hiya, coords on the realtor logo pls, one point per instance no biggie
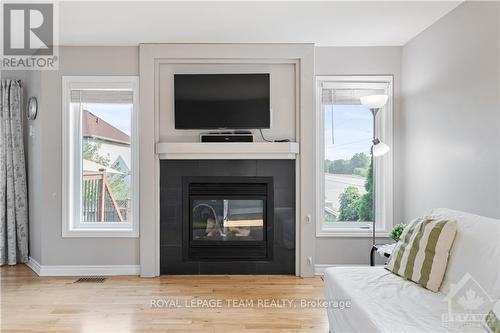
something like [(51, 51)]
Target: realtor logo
[(28, 36), (468, 303)]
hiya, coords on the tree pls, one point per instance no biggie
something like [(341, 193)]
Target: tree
[(117, 183), (328, 166), (341, 166), (354, 207), (91, 153), (360, 172), (349, 204), (359, 160), (365, 203), (119, 186)]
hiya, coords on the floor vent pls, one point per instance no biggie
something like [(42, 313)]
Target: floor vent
[(90, 279)]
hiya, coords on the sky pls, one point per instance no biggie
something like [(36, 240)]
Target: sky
[(352, 128), (118, 115)]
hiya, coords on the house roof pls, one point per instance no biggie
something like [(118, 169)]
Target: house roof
[(96, 127)]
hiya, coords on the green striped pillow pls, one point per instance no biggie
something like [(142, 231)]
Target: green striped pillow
[(492, 321), (421, 253)]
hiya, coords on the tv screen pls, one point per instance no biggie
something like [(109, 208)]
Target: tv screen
[(214, 101)]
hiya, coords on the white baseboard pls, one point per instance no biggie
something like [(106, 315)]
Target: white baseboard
[(82, 270), (34, 265), (319, 269)]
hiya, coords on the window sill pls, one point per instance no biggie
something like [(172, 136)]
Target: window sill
[(351, 232), (100, 233)]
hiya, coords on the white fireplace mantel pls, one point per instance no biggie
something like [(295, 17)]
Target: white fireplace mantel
[(227, 150)]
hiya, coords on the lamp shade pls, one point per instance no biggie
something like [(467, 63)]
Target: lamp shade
[(374, 101), (380, 149)]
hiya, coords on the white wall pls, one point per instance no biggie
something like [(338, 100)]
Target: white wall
[(361, 61), (45, 162), (450, 113)]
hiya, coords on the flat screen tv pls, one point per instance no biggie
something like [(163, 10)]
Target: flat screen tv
[(222, 101)]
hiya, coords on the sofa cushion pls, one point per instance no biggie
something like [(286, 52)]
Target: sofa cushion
[(492, 319), (476, 250), (422, 253), (384, 302)]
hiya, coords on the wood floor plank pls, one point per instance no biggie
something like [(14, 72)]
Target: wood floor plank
[(196, 303)]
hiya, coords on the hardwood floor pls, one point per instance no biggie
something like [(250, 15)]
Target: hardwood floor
[(166, 304)]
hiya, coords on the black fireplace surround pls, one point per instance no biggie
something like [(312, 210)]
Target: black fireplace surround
[(227, 217)]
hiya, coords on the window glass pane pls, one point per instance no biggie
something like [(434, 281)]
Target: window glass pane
[(348, 136), (106, 161)]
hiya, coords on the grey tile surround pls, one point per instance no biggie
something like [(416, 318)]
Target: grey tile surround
[(171, 173)]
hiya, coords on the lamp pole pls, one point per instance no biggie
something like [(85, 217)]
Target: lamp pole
[(374, 141), (374, 103)]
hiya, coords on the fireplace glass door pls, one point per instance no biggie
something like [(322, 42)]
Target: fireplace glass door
[(227, 219)]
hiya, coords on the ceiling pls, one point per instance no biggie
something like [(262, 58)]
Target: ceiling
[(327, 23)]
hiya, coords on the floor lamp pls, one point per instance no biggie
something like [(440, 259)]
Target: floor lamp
[(375, 103)]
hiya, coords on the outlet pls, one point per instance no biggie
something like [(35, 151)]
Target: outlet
[(310, 261)]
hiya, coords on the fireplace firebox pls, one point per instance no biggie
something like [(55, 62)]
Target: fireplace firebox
[(227, 218)]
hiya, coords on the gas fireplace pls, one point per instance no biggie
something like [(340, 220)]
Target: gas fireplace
[(227, 218)]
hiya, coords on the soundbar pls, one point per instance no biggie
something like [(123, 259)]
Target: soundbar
[(226, 137)]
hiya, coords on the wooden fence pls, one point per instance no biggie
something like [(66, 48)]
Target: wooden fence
[(99, 203)]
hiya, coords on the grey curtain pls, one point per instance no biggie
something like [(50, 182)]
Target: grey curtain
[(13, 202)]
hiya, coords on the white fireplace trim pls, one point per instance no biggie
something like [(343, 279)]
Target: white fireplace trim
[(151, 57)]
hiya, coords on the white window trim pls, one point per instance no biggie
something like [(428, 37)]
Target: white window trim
[(71, 173), (383, 166)]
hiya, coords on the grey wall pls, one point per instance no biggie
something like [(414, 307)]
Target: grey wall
[(45, 168), (45, 164), (362, 61), (34, 152), (450, 113)]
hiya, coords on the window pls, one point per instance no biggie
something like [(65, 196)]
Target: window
[(345, 172), (100, 157)]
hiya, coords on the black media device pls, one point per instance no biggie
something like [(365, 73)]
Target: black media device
[(226, 137), (222, 101)]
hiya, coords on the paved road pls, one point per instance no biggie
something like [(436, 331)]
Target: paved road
[(335, 185)]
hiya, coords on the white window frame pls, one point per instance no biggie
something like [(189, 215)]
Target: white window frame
[(71, 160), (383, 166)]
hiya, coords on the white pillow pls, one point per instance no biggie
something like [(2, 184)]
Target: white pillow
[(475, 250)]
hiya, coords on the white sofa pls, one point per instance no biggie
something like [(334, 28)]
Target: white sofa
[(384, 302)]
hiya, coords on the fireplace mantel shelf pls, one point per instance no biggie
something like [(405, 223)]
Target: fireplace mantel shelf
[(231, 150)]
